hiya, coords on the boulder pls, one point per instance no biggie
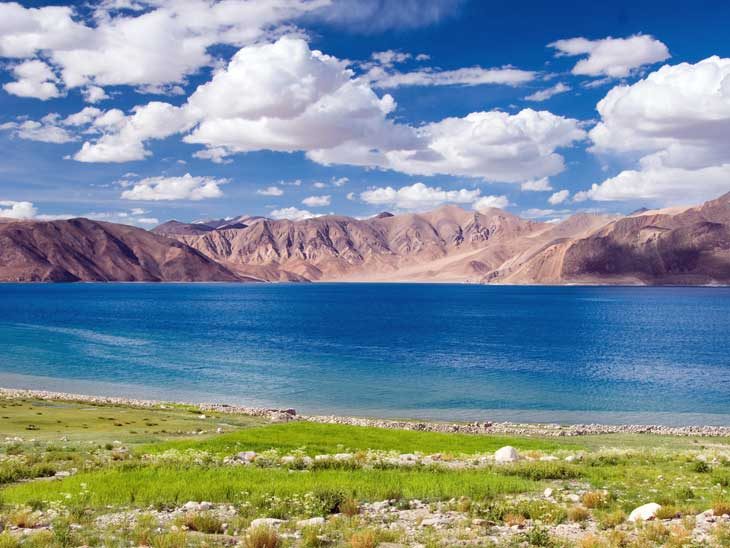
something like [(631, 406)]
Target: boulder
[(506, 454), (265, 522), (311, 522), (645, 512)]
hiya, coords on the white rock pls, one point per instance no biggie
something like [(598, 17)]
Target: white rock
[(548, 493), (266, 522), (548, 458), (311, 522), (645, 512), (205, 506), (506, 454), (246, 456), (343, 456), (190, 506), (570, 458)]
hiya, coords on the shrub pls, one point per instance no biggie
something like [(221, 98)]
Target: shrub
[(722, 478), (721, 507), (595, 499), (8, 541), (654, 531), (609, 520), (349, 507), (312, 538), (364, 539), (684, 493), (591, 541), (23, 518), (514, 519), (722, 534), (667, 512), (538, 536), (330, 499), (538, 471), (203, 522), (701, 467), (262, 537), (578, 514), (177, 539)]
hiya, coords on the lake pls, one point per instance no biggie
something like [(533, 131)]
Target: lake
[(437, 351)]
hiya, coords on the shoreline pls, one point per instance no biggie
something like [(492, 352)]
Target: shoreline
[(476, 428)]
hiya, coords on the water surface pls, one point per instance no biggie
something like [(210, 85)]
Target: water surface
[(457, 352)]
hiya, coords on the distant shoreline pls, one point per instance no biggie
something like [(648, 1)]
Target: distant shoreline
[(477, 428)]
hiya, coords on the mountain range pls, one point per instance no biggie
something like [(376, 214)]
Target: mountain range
[(681, 245)]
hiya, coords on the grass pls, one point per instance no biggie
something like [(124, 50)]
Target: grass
[(332, 438), (144, 486), (76, 421)]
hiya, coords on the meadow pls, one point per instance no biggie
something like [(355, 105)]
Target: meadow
[(75, 474)]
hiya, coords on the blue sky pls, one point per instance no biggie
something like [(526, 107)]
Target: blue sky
[(457, 110)]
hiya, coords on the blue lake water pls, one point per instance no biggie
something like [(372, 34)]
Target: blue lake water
[(456, 352)]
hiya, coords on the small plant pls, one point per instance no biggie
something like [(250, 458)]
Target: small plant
[(538, 536), (655, 531), (591, 541), (684, 493), (701, 467), (578, 514), (23, 518), (667, 512), (312, 538), (609, 520), (349, 507), (203, 522), (721, 507), (364, 539), (595, 499), (512, 519), (262, 537), (8, 541)]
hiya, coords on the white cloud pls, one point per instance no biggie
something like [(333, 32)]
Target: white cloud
[(492, 145), (33, 79), (292, 213), (270, 191), (340, 181), (160, 44), (186, 187), (545, 94), (17, 210), (94, 94), (417, 196), (470, 76), (217, 155), (558, 197), (664, 185), (613, 57), (125, 139), (351, 196), (317, 201), (537, 185), (390, 57), (319, 184), (486, 202), (48, 130), (537, 213), (283, 96), (677, 121)]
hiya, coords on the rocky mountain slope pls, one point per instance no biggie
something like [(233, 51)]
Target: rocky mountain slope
[(688, 245), (85, 250), (672, 246)]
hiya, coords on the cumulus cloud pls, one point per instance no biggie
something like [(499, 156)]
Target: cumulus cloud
[(47, 130), (340, 181), (417, 196), (471, 76), (161, 43), (33, 79), (613, 57), (677, 122), (17, 210), (537, 185), (664, 185), (317, 201), (94, 94), (186, 187), (270, 191), (487, 202), (545, 94), (284, 96), (292, 213), (124, 136), (558, 197)]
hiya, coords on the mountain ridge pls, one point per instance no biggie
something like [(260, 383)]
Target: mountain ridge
[(680, 245)]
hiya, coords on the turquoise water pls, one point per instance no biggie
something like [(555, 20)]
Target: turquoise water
[(564, 354)]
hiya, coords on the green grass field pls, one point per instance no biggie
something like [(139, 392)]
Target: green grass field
[(121, 458)]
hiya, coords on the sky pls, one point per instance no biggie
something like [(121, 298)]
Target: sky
[(140, 111)]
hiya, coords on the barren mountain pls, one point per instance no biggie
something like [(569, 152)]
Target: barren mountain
[(686, 245), (681, 245), (84, 250)]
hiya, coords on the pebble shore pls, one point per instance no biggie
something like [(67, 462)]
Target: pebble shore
[(483, 427)]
